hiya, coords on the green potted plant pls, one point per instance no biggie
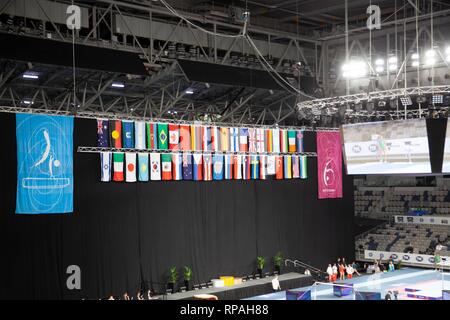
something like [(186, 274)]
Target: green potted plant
[(260, 263), (187, 272), (278, 261), (173, 278)]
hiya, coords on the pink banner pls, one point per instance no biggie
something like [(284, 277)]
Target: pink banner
[(329, 164)]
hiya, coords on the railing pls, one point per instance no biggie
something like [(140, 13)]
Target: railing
[(300, 264)]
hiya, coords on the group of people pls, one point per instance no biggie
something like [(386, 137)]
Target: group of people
[(342, 269), (378, 266), (139, 296)]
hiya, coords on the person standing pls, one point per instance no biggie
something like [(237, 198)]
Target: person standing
[(276, 284), (335, 272), (330, 273), (391, 266), (349, 270), (341, 272)]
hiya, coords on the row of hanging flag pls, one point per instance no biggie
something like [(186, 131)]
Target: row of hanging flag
[(132, 167), (185, 137)]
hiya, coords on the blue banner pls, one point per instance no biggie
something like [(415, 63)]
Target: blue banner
[(44, 164)]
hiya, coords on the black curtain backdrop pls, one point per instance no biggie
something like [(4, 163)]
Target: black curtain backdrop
[(123, 234)]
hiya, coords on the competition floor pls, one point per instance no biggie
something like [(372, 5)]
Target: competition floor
[(411, 283)]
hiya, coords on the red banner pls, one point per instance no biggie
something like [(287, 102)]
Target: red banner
[(329, 164)]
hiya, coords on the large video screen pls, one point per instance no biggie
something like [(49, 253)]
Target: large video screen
[(446, 161), (387, 147)]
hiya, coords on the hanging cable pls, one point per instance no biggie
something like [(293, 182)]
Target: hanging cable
[(175, 13), (73, 68)]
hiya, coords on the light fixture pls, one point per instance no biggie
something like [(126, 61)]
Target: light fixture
[(379, 69), (447, 50), (415, 63), (415, 56), (27, 102), (379, 62), (354, 69), (392, 60), (189, 91), (406, 101), (421, 99), (118, 85), (430, 53), (381, 103), (393, 67), (370, 106), (430, 61), (438, 99), (393, 103), (30, 76)]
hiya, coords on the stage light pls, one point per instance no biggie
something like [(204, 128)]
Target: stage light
[(370, 106), (379, 62), (447, 50), (392, 60), (189, 91), (393, 103), (431, 61), (381, 103), (415, 56), (358, 106), (406, 101), (415, 63), (379, 69), (118, 85), (438, 99), (430, 53), (446, 101), (354, 69), (30, 76), (27, 102), (392, 67), (421, 99)]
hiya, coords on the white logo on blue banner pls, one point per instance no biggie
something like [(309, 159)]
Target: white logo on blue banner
[(44, 164)]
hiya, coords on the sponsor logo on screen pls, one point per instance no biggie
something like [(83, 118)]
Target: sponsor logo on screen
[(373, 148), (356, 148), (419, 258), (406, 257)]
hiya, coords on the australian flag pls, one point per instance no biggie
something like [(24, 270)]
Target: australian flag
[(102, 133), (187, 166)]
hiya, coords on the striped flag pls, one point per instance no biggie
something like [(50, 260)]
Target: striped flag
[(217, 166), (284, 141), (269, 140), (166, 166), (275, 140), (116, 134), (262, 167), (243, 139), (139, 135), (198, 167), (128, 134), (102, 133), (224, 139), (196, 138), (155, 166), (229, 166), (177, 169), (237, 173), (152, 136), (303, 167), (185, 137), (254, 167), (206, 139), (252, 140), (295, 167), (207, 167), (215, 139), (260, 141), (287, 167), (174, 136), (143, 166), (105, 162), (130, 165), (299, 139), (234, 139), (118, 159), (246, 167), (292, 140)]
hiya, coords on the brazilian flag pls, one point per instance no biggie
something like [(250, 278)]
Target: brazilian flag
[(163, 134)]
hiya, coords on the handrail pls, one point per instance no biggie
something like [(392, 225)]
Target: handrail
[(300, 264)]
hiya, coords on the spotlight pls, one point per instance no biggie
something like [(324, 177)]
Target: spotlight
[(446, 101), (438, 99), (421, 99), (430, 56), (370, 106), (379, 62), (447, 50), (189, 91), (27, 102), (430, 53), (379, 69), (29, 75), (354, 69), (415, 56), (415, 63), (381, 103), (118, 85), (406, 101), (393, 60), (393, 103), (393, 67)]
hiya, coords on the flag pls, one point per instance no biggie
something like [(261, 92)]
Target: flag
[(152, 136), (102, 133), (206, 138), (303, 167), (207, 167), (198, 166), (174, 136), (287, 167), (105, 162), (254, 167), (116, 134), (246, 167), (187, 166), (177, 169), (284, 141), (295, 167), (163, 132), (229, 166), (128, 134), (275, 140), (224, 139), (196, 138), (234, 140), (237, 173), (252, 140), (130, 165), (262, 167), (118, 158), (269, 140), (292, 140), (243, 139), (279, 167), (299, 139), (260, 141), (139, 135), (215, 138), (218, 167), (143, 166), (185, 137), (166, 166), (271, 167), (155, 166), (44, 164)]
